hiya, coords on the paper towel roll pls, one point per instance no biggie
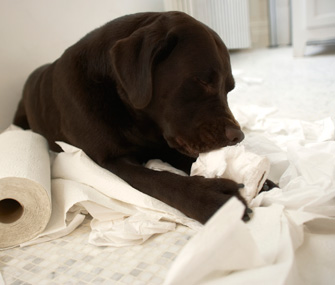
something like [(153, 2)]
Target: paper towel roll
[(25, 197)]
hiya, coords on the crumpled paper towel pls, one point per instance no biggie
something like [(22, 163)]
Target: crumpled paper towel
[(237, 164), (25, 204), (280, 131), (290, 238)]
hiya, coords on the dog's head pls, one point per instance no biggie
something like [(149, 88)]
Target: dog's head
[(178, 71)]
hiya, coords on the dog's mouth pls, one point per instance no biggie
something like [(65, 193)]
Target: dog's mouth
[(189, 149), (205, 139), (185, 148)]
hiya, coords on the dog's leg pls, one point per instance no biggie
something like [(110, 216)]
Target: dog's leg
[(197, 197)]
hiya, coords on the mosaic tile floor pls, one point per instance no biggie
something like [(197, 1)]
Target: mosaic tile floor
[(71, 260)]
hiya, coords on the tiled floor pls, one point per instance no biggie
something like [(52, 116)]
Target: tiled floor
[(71, 260), (298, 87)]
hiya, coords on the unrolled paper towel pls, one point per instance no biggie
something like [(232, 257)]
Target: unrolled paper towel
[(25, 198)]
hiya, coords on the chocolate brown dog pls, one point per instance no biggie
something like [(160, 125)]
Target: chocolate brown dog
[(144, 86)]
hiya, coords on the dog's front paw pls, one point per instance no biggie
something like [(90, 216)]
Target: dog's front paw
[(210, 194)]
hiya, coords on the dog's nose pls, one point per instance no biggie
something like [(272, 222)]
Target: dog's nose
[(234, 136)]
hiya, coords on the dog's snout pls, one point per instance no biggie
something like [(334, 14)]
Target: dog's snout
[(233, 135)]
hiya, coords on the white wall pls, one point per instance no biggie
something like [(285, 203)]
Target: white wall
[(35, 32)]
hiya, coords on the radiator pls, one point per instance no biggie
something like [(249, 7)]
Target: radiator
[(229, 18)]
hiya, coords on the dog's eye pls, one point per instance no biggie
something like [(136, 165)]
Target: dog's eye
[(207, 78), (208, 86), (202, 82)]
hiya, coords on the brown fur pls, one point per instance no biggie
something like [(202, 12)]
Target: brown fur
[(144, 86)]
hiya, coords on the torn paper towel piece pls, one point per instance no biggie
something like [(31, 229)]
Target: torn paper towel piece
[(281, 131), (224, 245), (237, 164), (158, 165), (25, 197)]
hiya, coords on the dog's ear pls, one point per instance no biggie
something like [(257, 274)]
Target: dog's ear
[(133, 60)]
